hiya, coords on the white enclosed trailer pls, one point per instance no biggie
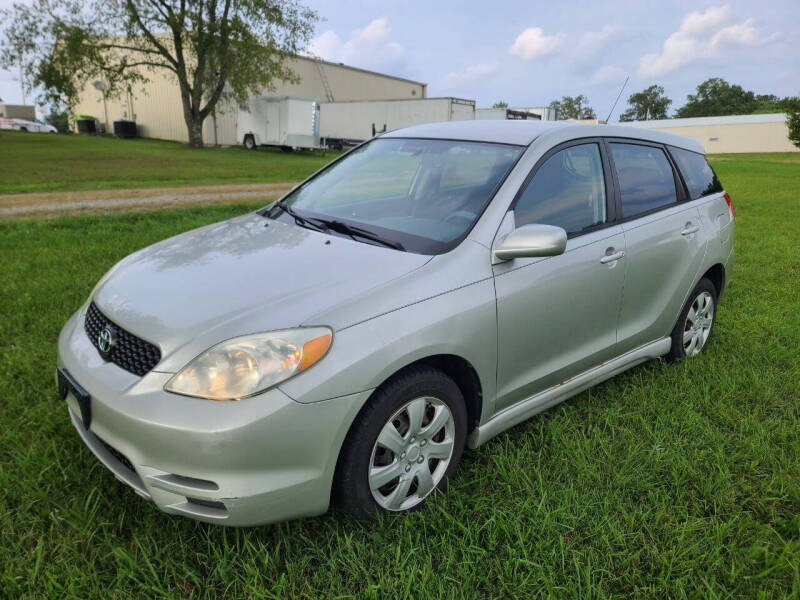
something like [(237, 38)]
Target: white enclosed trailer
[(349, 122), (543, 113), (284, 121)]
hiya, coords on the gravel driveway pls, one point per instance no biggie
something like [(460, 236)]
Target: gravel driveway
[(54, 204)]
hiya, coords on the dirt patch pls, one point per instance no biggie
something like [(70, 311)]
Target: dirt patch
[(52, 204)]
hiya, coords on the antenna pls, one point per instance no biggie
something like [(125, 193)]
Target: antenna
[(617, 100)]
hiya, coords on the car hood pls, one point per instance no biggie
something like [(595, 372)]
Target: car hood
[(245, 275)]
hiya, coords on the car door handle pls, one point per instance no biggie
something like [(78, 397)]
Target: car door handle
[(690, 229), (612, 257)]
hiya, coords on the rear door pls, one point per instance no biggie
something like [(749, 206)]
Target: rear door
[(557, 316), (664, 243)]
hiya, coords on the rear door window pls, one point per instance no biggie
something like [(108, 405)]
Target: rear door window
[(646, 179), (697, 173)]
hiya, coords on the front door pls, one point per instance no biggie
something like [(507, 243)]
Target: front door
[(557, 316)]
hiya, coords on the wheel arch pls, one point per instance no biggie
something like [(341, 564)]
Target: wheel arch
[(459, 369), (716, 274)]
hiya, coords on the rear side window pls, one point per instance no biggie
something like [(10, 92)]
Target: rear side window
[(698, 174), (646, 180), (568, 191)]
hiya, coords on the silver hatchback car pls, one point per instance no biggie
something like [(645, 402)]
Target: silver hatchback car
[(424, 292)]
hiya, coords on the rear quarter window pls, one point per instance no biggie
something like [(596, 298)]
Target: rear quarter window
[(697, 173)]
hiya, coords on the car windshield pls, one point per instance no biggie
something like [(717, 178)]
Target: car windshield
[(418, 195)]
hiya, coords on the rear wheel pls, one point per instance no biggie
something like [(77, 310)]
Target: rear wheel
[(404, 444), (694, 327)]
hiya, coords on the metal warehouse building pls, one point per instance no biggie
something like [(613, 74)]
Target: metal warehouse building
[(738, 133), (156, 106)]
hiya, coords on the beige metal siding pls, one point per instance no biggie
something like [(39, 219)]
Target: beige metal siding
[(751, 137), (347, 83), (731, 134), (157, 108)]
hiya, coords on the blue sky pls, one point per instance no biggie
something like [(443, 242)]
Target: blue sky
[(529, 53)]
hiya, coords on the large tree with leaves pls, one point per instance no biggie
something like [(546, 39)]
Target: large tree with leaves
[(573, 107), (716, 97), (216, 50), (650, 103)]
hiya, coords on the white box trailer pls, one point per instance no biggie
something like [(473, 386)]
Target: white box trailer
[(542, 113), (18, 111), (343, 123), (284, 121)]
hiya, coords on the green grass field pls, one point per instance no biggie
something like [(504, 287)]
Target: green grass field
[(45, 163), (669, 481)]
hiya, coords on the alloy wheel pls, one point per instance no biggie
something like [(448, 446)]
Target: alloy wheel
[(412, 453), (698, 324)]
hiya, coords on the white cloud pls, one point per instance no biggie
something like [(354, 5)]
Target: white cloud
[(608, 74), (702, 35), (471, 73), (592, 42), (533, 43), (370, 47)]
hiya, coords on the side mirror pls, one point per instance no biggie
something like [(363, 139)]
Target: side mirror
[(532, 240)]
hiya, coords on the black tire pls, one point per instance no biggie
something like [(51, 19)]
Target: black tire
[(287, 149), (249, 142), (351, 491), (677, 351)]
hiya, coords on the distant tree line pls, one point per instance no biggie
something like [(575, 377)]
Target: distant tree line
[(714, 97)]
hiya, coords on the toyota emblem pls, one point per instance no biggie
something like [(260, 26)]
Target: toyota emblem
[(106, 340)]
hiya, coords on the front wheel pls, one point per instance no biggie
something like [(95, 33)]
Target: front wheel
[(249, 142), (694, 327), (404, 444)]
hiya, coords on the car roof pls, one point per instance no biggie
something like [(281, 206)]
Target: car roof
[(524, 133)]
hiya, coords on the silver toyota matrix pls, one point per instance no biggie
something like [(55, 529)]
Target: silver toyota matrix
[(423, 293)]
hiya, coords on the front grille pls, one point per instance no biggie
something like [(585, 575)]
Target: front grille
[(123, 460), (130, 352)]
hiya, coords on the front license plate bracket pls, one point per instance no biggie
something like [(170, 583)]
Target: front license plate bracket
[(67, 385)]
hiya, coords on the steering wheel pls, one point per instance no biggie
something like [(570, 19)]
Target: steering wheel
[(463, 215)]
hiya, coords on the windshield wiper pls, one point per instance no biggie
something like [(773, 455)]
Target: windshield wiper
[(315, 224), (323, 225), (354, 232)]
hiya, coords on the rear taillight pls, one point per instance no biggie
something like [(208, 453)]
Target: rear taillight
[(729, 202)]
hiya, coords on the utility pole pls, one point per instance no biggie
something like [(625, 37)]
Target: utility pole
[(21, 81)]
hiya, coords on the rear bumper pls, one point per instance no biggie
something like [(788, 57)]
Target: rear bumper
[(260, 460)]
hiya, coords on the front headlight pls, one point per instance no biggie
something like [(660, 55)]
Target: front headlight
[(251, 364)]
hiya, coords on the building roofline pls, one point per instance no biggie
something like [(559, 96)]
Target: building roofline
[(359, 69), (458, 100), (703, 121)]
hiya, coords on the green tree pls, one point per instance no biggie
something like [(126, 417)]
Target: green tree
[(767, 103), (501, 104), (716, 97), (58, 119), (770, 103), (573, 107), (650, 103), (216, 50), (791, 106)]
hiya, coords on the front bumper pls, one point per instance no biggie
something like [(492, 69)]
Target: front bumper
[(260, 460)]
